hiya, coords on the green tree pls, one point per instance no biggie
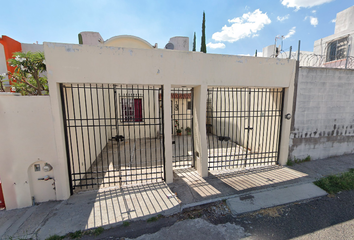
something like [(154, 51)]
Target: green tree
[(2, 87), (194, 42), (28, 78), (203, 44)]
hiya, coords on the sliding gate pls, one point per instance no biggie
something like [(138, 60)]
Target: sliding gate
[(114, 134), (243, 127)]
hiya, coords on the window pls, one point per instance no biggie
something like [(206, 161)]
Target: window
[(337, 49), (189, 105), (132, 110)]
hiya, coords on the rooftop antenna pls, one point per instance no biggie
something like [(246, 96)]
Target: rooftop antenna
[(276, 51)]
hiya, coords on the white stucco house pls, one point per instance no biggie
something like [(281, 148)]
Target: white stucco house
[(109, 119), (332, 51)]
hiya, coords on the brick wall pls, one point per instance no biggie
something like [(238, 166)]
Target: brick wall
[(323, 123)]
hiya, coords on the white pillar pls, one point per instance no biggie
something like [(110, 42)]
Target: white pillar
[(167, 132), (199, 125), (286, 123), (62, 183)]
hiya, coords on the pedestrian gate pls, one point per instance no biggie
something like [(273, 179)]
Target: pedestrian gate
[(243, 127), (182, 127), (114, 134)]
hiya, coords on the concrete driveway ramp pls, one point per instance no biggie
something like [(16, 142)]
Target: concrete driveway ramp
[(275, 197)]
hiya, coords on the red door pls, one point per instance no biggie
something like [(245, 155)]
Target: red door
[(2, 201)]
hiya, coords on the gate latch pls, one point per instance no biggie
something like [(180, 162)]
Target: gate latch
[(249, 128)]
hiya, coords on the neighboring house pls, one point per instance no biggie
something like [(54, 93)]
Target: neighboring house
[(338, 46), (129, 41), (8, 47), (334, 51)]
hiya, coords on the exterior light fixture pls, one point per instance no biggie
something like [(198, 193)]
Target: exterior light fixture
[(288, 116), (47, 167)]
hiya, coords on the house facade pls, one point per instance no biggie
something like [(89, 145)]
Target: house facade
[(338, 46), (109, 119)]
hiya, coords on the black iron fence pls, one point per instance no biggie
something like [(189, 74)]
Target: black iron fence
[(182, 127), (243, 127), (114, 134)]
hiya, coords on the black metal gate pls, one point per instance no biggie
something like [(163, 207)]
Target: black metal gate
[(243, 127), (114, 134), (182, 127)]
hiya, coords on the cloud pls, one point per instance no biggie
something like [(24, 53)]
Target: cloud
[(246, 26), (333, 20), (313, 11), (215, 45), (244, 54), (303, 3), (280, 19), (290, 33), (314, 21)]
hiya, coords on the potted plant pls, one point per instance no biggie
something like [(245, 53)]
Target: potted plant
[(188, 130), (179, 132)]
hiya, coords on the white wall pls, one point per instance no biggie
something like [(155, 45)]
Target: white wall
[(27, 47), (26, 137), (323, 121), (92, 64), (3, 67), (344, 20), (91, 38), (180, 43)]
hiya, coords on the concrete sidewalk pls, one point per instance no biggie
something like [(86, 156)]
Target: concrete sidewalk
[(113, 206), (274, 197), (86, 210), (193, 190)]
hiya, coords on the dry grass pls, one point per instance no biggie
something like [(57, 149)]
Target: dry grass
[(270, 212)]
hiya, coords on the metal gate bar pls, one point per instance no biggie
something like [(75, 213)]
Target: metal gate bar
[(243, 126), (113, 134), (182, 127)]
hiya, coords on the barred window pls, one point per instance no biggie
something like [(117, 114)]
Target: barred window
[(337, 49), (132, 110)]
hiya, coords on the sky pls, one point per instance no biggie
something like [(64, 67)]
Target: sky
[(233, 27)]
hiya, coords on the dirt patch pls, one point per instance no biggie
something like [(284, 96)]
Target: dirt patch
[(207, 212)]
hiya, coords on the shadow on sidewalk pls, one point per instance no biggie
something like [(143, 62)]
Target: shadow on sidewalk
[(110, 207), (191, 188)]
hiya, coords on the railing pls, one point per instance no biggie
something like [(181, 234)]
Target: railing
[(315, 60)]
